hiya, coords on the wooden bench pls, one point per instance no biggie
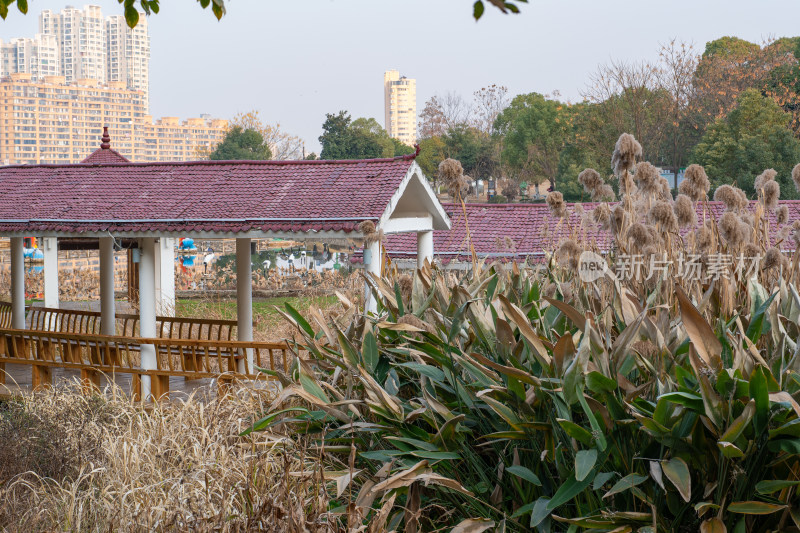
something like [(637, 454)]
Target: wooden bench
[(94, 355)]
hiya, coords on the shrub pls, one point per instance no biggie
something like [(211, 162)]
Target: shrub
[(498, 199), (489, 401)]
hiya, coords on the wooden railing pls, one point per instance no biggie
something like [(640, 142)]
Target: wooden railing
[(5, 315), (94, 355), (88, 323)]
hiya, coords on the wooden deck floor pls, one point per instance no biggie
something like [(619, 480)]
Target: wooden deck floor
[(19, 380)]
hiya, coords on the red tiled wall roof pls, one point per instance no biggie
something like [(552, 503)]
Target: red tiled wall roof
[(518, 231), (104, 156), (219, 196)]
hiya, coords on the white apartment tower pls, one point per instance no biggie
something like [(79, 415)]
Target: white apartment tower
[(128, 53), (81, 34), (87, 46), (400, 107), (38, 56)]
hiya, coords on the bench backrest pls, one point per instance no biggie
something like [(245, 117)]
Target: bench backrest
[(127, 325)]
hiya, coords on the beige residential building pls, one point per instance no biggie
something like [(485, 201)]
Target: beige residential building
[(400, 107), (51, 121)]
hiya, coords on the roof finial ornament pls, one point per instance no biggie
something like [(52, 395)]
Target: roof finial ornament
[(106, 144)]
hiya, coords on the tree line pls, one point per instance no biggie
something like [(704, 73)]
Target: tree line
[(734, 108)]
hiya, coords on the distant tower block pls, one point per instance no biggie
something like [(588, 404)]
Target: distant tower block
[(400, 107)]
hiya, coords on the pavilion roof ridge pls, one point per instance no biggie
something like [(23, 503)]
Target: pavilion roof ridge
[(227, 162)]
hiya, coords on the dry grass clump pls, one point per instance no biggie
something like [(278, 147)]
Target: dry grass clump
[(602, 216), (685, 211), (695, 184), (662, 214), (734, 198), (594, 185), (181, 466), (648, 179), (368, 230), (733, 230), (782, 215), (568, 254), (775, 259), (626, 151), (555, 200), (452, 175), (771, 194), (763, 178)]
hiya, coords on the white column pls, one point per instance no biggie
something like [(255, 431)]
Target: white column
[(424, 247), (17, 284), (108, 313), (165, 276), (147, 309), (50, 250), (244, 300), (372, 263)]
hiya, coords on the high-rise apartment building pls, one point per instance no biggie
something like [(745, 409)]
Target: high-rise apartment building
[(38, 56), (128, 53), (81, 35), (52, 121), (400, 106), (84, 45)]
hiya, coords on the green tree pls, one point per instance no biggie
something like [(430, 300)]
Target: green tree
[(535, 130), (401, 148), (752, 137), (362, 138), (473, 148), (431, 153), (241, 144), (730, 48)]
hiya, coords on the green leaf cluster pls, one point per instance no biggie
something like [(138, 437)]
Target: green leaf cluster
[(527, 412)]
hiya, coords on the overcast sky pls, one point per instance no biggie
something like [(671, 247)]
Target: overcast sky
[(296, 60)]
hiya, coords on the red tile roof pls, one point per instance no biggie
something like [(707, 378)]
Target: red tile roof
[(104, 156), (525, 231), (215, 196)]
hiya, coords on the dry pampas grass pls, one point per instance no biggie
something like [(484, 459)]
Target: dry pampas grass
[(368, 230), (627, 185), (733, 230), (734, 198), (568, 254), (602, 216), (594, 185), (684, 211), (662, 214), (751, 250), (626, 151), (695, 184), (771, 194), (782, 215), (452, 175), (555, 200), (703, 238), (178, 467), (774, 259), (763, 178), (639, 236), (647, 179), (617, 219)]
